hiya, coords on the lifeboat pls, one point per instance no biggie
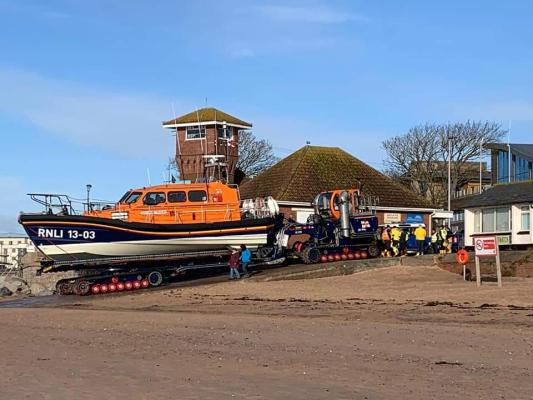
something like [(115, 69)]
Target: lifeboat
[(154, 220)]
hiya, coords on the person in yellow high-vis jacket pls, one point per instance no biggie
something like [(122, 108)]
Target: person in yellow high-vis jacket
[(395, 234), (435, 242), (420, 236)]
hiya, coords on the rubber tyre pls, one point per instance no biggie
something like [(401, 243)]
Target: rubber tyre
[(155, 278), (82, 288), (311, 255), (373, 251)]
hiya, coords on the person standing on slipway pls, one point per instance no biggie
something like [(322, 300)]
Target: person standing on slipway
[(234, 265), (246, 256), (420, 236)]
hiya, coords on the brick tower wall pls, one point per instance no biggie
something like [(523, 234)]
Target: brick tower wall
[(190, 161)]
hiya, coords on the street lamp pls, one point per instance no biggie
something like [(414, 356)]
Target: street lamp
[(88, 186), (450, 138)]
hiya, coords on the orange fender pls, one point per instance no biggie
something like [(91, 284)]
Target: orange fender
[(462, 256)]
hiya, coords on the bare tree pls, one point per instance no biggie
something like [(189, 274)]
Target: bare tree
[(419, 158), (255, 155)]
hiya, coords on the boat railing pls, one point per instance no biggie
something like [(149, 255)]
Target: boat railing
[(55, 203), (99, 206), (62, 204)]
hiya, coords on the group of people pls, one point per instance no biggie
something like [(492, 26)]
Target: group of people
[(441, 240), (394, 240), (239, 258)]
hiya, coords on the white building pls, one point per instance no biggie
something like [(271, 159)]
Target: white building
[(12, 248), (505, 210)]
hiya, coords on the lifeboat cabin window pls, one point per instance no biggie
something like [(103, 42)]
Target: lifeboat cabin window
[(123, 198), (154, 198), (132, 198), (197, 195), (177, 197)]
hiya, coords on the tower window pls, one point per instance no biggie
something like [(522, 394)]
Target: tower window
[(224, 133), (195, 132)]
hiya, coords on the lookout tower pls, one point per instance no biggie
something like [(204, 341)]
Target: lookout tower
[(204, 132)]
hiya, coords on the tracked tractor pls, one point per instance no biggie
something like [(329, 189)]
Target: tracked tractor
[(343, 226)]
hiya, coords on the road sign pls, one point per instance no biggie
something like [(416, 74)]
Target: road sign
[(486, 246)]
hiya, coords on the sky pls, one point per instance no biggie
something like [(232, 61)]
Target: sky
[(85, 85)]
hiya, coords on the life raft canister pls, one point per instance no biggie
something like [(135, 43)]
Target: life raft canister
[(462, 256)]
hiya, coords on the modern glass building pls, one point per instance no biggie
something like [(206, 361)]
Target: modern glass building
[(511, 162)]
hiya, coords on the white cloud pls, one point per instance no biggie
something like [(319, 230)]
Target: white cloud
[(314, 14), (125, 123)]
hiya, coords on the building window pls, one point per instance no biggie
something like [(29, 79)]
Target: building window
[(524, 218), (521, 169), (487, 222), (477, 221), (459, 215), (502, 219), (494, 220), (195, 132), (224, 133), (503, 166)]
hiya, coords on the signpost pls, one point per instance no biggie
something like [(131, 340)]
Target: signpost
[(487, 246)]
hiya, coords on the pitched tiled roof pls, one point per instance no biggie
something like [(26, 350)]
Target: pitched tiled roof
[(498, 195), (207, 115), (312, 169)]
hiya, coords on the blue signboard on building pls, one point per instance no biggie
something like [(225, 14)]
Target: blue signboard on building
[(413, 218)]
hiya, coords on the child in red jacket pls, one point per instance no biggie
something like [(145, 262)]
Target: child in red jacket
[(234, 265)]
